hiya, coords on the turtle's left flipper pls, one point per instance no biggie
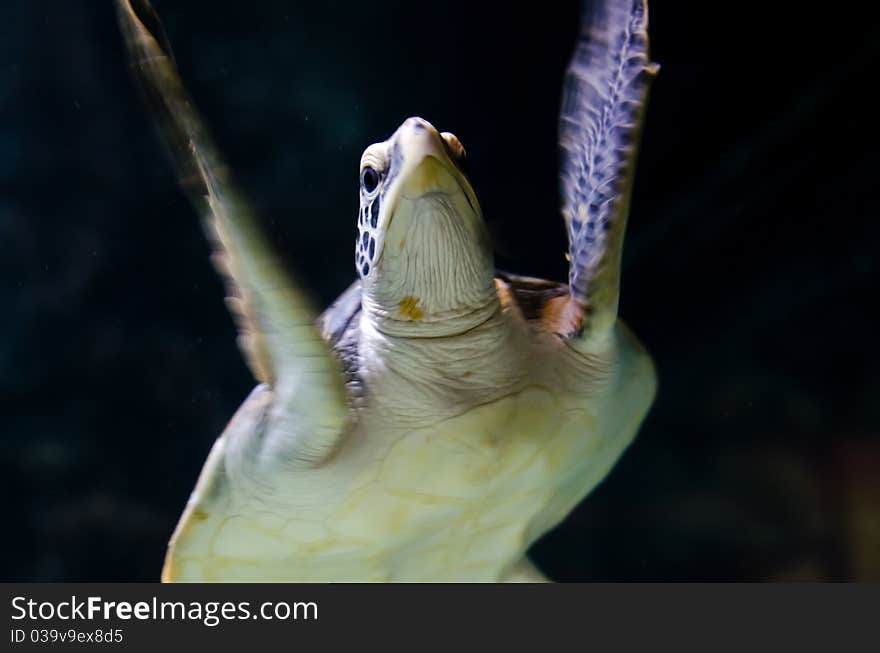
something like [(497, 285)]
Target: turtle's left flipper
[(603, 102), (276, 321)]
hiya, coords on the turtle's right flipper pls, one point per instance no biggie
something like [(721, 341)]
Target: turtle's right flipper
[(276, 321), (603, 104)]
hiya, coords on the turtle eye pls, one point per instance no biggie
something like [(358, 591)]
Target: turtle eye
[(369, 179)]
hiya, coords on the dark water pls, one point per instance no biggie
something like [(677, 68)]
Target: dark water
[(750, 263)]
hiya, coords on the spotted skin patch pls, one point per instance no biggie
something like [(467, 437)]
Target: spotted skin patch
[(409, 307), (365, 243)]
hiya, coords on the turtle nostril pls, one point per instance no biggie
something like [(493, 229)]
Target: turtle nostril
[(416, 123)]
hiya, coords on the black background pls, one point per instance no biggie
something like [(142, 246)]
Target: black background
[(749, 266)]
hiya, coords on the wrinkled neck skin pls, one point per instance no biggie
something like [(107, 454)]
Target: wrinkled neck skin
[(436, 274), (433, 324)]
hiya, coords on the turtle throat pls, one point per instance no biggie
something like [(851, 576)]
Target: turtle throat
[(435, 275)]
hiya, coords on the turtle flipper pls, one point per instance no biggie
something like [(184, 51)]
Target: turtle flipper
[(276, 321), (603, 102)]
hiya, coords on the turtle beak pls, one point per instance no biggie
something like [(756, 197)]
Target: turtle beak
[(428, 166), (429, 176)]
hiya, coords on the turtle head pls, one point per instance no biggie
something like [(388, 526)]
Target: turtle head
[(422, 248)]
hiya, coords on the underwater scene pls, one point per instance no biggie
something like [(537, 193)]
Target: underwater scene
[(601, 292)]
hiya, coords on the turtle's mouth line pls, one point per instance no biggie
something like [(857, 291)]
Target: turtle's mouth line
[(430, 178)]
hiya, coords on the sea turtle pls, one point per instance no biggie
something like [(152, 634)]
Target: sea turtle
[(439, 416)]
